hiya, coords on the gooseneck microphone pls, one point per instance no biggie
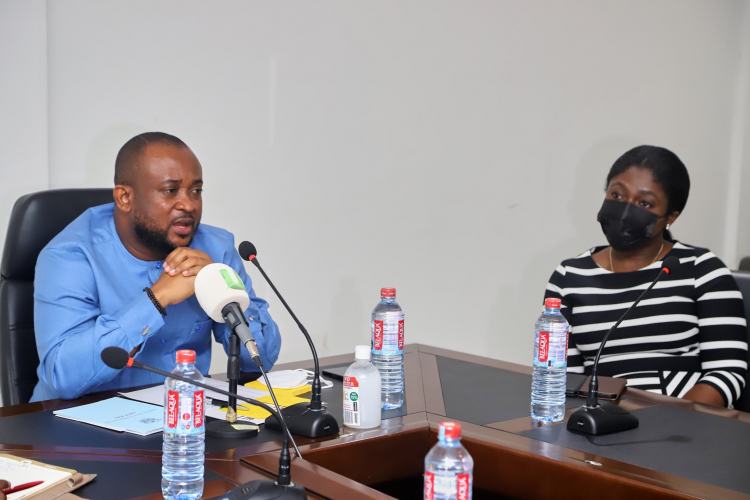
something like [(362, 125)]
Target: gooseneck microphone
[(222, 295), (306, 419), (595, 418), (118, 358)]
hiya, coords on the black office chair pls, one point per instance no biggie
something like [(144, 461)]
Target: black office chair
[(744, 264), (35, 219), (743, 282)]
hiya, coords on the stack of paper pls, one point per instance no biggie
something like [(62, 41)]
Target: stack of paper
[(119, 414)]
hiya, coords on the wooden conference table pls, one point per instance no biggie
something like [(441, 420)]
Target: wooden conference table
[(680, 450)]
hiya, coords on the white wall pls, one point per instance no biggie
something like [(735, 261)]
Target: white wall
[(740, 165), (23, 102), (455, 150)]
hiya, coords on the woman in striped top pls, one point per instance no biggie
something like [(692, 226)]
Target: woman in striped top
[(687, 337)]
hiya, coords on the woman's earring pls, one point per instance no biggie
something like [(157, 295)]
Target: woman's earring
[(668, 226)]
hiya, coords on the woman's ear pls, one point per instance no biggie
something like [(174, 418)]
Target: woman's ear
[(123, 196), (672, 217)]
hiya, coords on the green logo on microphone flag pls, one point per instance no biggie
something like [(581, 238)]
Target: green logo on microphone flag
[(231, 279)]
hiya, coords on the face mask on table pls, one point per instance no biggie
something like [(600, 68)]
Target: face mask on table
[(625, 225), (288, 379)]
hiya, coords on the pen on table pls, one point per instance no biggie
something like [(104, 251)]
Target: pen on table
[(21, 487)]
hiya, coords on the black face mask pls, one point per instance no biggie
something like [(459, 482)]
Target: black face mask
[(625, 225)]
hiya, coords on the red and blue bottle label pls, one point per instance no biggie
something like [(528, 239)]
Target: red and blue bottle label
[(551, 348), (183, 415), (447, 485), (388, 334)]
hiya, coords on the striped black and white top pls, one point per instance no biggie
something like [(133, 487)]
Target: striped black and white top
[(689, 329)]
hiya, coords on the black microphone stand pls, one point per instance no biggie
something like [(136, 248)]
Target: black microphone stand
[(282, 488), (306, 419), (228, 428), (595, 418)]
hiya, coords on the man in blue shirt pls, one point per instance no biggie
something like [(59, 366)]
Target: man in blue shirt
[(123, 275)]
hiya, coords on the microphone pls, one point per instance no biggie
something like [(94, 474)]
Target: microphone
[(222, 295), (306, 419), (596, 418), (118, 358)]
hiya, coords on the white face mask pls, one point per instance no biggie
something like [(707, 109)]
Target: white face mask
[(288, 379)]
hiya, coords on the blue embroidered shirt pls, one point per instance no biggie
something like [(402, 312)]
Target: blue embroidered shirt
[(88, 295)]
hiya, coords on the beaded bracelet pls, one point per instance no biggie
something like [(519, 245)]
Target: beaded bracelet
[(155, 301)]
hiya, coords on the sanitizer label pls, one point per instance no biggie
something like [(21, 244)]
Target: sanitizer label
[(388, 334), (447, 485), (352, 415), (184, 415)]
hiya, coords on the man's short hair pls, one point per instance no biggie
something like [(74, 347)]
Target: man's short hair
[(130, 152)]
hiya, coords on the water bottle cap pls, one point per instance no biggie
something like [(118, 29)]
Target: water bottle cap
[(552, 303), (185, 356), (362, 352), (387, 292), (450, 430)]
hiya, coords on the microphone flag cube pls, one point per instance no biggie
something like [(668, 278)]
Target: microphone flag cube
[(217, 285)]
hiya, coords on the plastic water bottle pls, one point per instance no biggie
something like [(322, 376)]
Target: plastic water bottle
[(388, 348), (362, 391), (184, 432), (550, 363), (448, 467)]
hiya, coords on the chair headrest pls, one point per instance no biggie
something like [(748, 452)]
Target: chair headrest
[(36, 218)]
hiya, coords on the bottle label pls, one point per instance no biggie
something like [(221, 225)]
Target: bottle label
[(447, 484), (463, 486), (543, 348), (388, 334), (551, 347), (173, 403), (198, 409), (429, 486), (377, 335), (184, 415), (352, 414), (401, 335)]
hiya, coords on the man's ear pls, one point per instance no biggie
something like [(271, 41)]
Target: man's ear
[(123, 196)]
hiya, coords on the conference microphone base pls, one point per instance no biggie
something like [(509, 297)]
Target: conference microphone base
[(263, 490), (604, 418), (305, 421), (224, 430)]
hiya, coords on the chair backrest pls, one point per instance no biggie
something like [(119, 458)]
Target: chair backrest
[(743, 282), (35, 219)]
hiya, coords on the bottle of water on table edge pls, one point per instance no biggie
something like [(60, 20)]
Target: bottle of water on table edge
[(387, 329), (448, 467), (550, 364), (184, 432)]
